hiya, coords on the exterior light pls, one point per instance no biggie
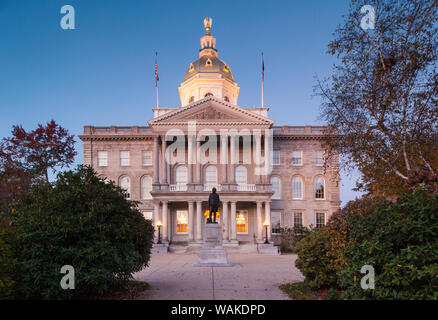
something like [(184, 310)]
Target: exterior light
[(159, 224), (266, 223)]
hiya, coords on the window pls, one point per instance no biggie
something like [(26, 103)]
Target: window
[(276, 158), (319, 188), (182, 221), (192, 99), (275, 181), (125, 184), (241, 175), (297, 188), (211, 175), (146, 188), (298, 219), (181, 175), (146, 158), (102, 158), (148, 215), (319, 158), (242, 222), (124, 158), (297, 158), (320, 219), (275, 221)]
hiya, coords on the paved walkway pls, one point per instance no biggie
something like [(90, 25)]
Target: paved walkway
[(253, 276)]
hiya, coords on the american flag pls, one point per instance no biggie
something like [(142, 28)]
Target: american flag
[(263, 68), (156, 69)]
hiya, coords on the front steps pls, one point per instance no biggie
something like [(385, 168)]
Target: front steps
[(242, 247)]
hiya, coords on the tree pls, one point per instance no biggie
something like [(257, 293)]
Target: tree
[(383, 95), (82, 221), (39, 150)]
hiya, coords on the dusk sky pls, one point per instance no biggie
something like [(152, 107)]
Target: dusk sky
[(102, 73)]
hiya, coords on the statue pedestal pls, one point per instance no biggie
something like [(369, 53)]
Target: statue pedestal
[(212, 253)]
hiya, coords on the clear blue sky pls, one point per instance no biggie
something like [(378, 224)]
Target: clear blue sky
[(102, 73)]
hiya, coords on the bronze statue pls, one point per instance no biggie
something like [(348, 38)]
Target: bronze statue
[(213, 205)]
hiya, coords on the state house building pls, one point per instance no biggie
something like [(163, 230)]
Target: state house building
[(296, 190)]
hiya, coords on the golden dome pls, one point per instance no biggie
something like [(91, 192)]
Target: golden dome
[(209, 65)]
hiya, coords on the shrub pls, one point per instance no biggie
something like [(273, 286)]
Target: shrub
[(7, 260), (400, 240), (84, 222), (289, 237), (313, 260)]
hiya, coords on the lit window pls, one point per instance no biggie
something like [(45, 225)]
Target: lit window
[(182, 221), (125, 184), (124, 158), (276, 221), (211, 175), (242, 222), (320, 219), (181, 175), (297, 158), (146, 158), (146, 188), (241, 175), (319, 188), (276, 157), (319, 158), (297, 188), (298, 219), (147, 215), (275, 182), (102, 158)]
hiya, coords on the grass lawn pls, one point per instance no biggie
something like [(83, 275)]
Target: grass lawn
[(300, 291), (132, 290)]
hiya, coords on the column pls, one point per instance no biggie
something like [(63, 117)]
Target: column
[(190, 226), (165, 228), (258, 156), (268, 217), (199, 220), (267, 157), (233, 220), (156, 218), (156, 161), (259, 221), (164, 162), (190, 158), (224, 158), (198, 162), (232, 157), (225, 219)]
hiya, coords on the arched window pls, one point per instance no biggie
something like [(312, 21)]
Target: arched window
[(241, 175), (297, 188), (146, 188), (192, 99), (125, 184), (227, 99), (319, 188), (208, 94), (181, 175), (211, 175), (276, 187)]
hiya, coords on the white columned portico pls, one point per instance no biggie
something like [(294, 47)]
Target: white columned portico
[(233, 221), (198, 220), (225, 219), (165, 221), (156, 218), (268, 217), (190, 226), (259, 221)]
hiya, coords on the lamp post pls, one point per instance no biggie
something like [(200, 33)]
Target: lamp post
[(159, 225), (266, 225)]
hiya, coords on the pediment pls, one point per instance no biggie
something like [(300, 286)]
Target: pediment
[(211, 110)]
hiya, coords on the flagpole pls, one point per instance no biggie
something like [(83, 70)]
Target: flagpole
[(263, 76), (156, 78)]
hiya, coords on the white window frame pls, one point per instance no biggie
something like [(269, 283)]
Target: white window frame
[(245, 212), (178, 175), (102, 161), (147, 213), (208, 174), (142, 188), (324, 188), (317, 158), (127, 159), (273, 158), (302, 188), (176, 221), (146, 160), (301, 158), (276, 195), (127, 190), (236, 174), (293, 217), (316, 218), (281, 221)]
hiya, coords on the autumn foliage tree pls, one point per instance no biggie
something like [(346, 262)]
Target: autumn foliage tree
[(382, 97)]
